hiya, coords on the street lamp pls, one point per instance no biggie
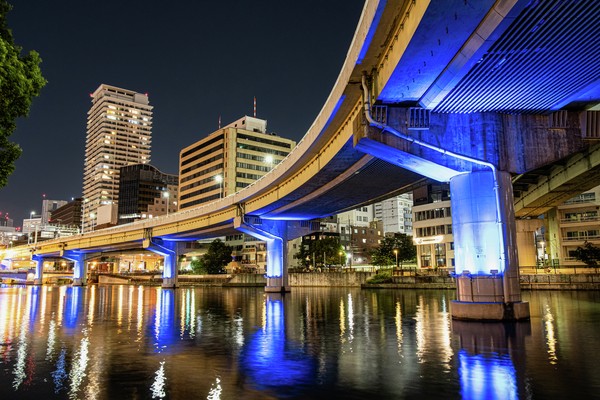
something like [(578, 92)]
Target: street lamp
[(269, 161), (219, 179), (396, 253), (166, 195)]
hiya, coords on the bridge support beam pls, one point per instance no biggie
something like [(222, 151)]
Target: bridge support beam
[(39, 269), (276, 235), (170, 253), (485, 248), (79, 267)]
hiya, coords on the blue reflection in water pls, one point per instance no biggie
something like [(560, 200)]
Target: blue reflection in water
[(486, 368), (34, 292), (73, 306), (490, 376), (273, 362), (165, 330)]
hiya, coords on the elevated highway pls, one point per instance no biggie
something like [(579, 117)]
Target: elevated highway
[(452, 90)]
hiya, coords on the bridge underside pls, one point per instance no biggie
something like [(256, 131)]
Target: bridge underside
[(350, 180), (542, 189)]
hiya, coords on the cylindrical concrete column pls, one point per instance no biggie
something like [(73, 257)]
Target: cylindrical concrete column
[(80, 272), (485, 248), (39, 271)]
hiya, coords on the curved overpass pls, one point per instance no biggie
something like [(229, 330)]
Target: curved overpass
[(323, 175), (473, 64)]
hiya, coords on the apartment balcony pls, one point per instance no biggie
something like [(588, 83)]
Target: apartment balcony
[(579, 221), (579, 241)]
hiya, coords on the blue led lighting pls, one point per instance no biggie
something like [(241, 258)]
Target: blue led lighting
[(487, 377), (477, 234), (371, 32), (334, 112), (73, 306), (79, 263), (275, 247), (34, 293), (168, 251), (164, 327), (406, 160), (274, 362), (39, 267)]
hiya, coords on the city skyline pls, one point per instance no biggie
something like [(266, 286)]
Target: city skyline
[(288, 57)]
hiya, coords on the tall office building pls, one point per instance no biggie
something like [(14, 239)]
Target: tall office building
[(48, 206), (119, 133), (145, 192), (228, 160)]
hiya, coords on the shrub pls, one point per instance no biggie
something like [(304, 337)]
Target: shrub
[(381, 277)]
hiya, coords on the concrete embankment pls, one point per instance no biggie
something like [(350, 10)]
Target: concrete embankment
[(560, 282), (359, 279)]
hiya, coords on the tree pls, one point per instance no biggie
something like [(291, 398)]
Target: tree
[(384, 255), (217, 257), (328, 247), (588, 254), (197, 266), (20, 81)]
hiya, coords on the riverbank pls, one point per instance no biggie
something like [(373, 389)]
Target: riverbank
[(359, 279)]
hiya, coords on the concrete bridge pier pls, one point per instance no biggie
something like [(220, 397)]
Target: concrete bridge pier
[(485, 249), (275, 234), (169, 250), (79, 267), (39, 269)]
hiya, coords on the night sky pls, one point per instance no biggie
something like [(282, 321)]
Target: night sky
[(197, 60)]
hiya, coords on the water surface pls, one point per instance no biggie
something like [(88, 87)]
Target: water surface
[(129, 342)]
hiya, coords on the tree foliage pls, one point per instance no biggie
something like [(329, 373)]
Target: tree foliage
[(198, 267), (315, 250), (588, 254), (384, 254), (20, 81), (216, 258)]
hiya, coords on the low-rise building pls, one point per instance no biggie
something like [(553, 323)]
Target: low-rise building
[(569, 226)]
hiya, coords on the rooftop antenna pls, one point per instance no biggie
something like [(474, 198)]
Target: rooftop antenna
[(254, 106)]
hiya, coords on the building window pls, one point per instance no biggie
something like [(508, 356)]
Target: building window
[(440, 254), (426, 256)]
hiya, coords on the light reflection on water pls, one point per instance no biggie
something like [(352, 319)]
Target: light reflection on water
[(107, 342)]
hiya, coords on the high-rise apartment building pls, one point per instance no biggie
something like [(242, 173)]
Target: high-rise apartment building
[(228, 160), (119, 133)]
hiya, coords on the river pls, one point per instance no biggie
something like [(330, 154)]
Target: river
[(142, 342)]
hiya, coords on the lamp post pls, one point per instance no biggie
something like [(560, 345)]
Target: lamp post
[(166, 195), (219, 179), (396, 253)]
